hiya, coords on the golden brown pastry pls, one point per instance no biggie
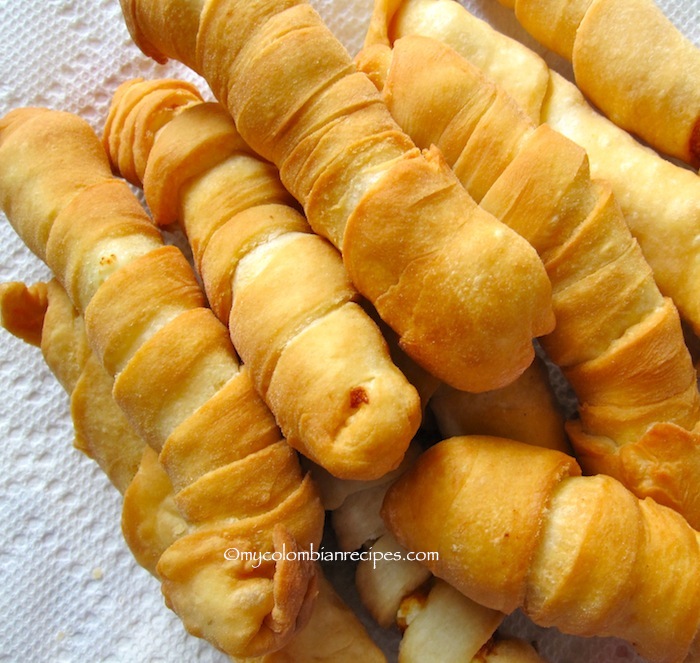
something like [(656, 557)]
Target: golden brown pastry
[(464, 294), (517, 69), (526, 410), (316, 358), (22, 311), (179, 382), (618, 341), (151, 520), (437, 622), (579, 553), (660, 200), (630, 61)]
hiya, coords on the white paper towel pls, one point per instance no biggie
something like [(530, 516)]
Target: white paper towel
[(71, 592)]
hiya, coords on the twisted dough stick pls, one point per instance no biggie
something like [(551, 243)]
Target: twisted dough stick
[(464, 294), (179, 382), (43, 314), (618, 341), (631, 61), (660, 201), (437, 622), (579, 553), (316, 358)]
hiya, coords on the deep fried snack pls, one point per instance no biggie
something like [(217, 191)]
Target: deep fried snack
[(660, 200), (631, 61), (579, 553), (151, 520), (618, 340), (464, 294), (178, 380), (437, 622), (316, 358)]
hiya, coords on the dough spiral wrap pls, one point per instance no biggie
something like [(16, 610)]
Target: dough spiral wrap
[(618, 340), (630, 61), (579, 553), (437, 622), (464, 294), (178, 380), (660, 200), (315, 357), (43, 315)]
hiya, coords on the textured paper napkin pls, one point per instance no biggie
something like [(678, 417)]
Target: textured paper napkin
[(70, 590)]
